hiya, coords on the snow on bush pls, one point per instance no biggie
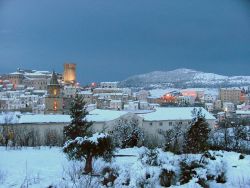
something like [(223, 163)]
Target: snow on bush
[(127, 133), (141, 167)]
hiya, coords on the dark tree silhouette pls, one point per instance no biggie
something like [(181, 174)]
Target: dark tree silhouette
[(79, 144)]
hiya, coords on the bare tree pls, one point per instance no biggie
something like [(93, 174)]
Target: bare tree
[(7, 131), (172, 138), (127, 133)]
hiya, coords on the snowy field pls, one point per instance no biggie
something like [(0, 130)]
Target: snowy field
[(43, 167), (39, 167)]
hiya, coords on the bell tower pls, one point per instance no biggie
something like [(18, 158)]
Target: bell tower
[(54, 98)]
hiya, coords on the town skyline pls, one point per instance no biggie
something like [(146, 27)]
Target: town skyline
[(114, 40)]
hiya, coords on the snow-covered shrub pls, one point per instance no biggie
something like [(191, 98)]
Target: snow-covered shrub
[(86, 181), (145, 181), (231, 135), (73, 171), (210, 167), (127, 133), (221, 178), (73, 176), (150, 157), (242, 156), (166, 178), (109, 176), (216, 166), (173, 139), (189, 170)]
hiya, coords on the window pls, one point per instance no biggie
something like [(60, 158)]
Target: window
[(160, 123), (170, 123), (55, 106), (55, 92), (151, 123)]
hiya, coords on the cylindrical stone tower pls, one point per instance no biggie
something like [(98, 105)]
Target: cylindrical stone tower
[(69, 75)]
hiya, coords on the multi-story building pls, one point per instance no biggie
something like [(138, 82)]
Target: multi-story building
[(188, 100), (36, 83), (142, 95), (87, 96), (209, 98), (15, 78), (109, 84), (230, 95), (217, 105), (209, 107)]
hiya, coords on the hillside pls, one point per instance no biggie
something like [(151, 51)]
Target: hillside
[(183, 78)]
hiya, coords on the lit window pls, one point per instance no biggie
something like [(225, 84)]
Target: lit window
[(55, 106), (55, 92)]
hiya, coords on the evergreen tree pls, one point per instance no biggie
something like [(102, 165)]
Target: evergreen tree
[(79, 126), (87, 148), (80, 145), (196, 139)]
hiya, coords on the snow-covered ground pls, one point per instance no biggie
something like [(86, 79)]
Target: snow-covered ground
[(39, 167), (44, 167)]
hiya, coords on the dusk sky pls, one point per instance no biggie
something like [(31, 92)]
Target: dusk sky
[(110, 40)]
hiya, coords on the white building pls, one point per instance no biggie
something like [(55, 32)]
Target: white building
[(142, 95), (209, 107), (186, 100), (132, 106), (108, 84), (104, 120), (209, 98), (69, 91), (228, 107), (116, 104)]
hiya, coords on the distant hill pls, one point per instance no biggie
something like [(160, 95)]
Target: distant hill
[(184, 78)]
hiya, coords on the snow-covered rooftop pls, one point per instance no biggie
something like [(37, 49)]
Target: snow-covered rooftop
[(157, 93), (99, 115), (87, 92), (243, 112), (96, 115), (174, 113)]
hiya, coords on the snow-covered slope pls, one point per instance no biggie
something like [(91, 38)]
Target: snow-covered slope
[(44, 167), (184, 78)]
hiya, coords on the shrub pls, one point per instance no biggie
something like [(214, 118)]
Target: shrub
[(166, 178), (221, 178), (150, 157), (242, 156), (109, 176)]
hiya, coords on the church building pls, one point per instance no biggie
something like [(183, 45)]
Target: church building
[(54, 98)]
